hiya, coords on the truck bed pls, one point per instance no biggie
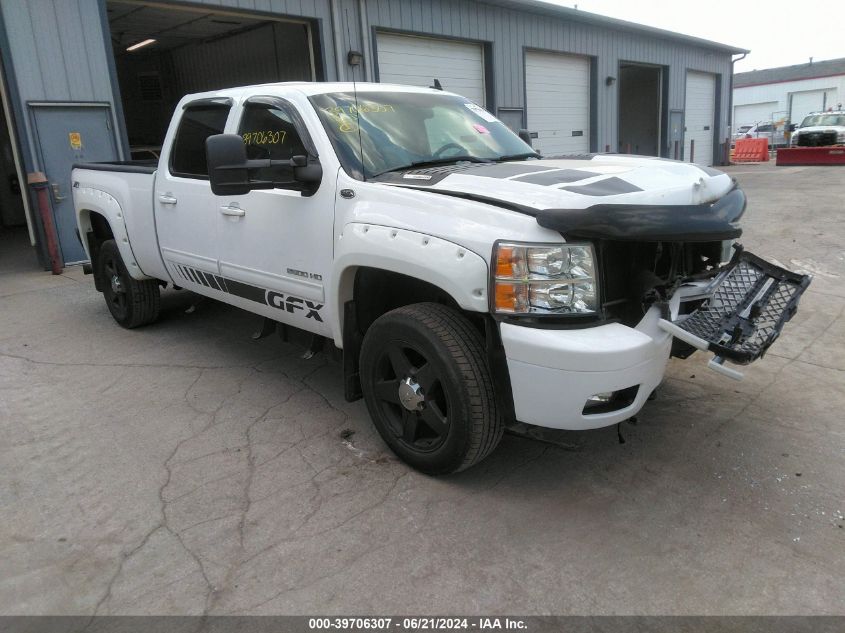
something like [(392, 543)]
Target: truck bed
[(124, 166), (122, 192)]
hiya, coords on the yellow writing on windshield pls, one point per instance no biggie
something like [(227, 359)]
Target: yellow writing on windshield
[(363, 108), (264, 137), (345, 116)]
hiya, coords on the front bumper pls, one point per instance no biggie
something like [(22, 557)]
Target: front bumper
[(553, 373)]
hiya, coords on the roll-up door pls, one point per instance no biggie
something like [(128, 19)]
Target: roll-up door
[(699, 116), (557, 95), (418, 61), (802, 103), (753, 113)]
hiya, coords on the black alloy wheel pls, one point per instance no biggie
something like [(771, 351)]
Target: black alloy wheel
[(428, 388)]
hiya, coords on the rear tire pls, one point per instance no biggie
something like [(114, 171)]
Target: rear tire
[(428, 388), (132, 303)]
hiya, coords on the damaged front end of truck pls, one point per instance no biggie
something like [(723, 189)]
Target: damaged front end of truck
[(684, 259)]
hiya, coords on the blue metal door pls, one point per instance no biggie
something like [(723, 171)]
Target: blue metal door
[(69, 134)]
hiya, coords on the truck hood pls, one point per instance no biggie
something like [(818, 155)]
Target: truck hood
[(820, 128), (597, 196)]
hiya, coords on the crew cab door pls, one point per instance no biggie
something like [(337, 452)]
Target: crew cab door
[(276, 244), (185, 209)]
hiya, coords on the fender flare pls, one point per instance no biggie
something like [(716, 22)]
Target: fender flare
[(89, 200), (459, 272)]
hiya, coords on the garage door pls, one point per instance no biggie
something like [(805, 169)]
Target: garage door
[(805, 102), (699, 115), (418, 61), (753, 113), (557, 96)]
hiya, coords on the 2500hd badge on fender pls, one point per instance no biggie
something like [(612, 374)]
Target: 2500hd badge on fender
[(469, 282)]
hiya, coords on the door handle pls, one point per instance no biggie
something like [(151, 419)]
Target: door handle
[(232, 211), (57, 194), (166, 198)]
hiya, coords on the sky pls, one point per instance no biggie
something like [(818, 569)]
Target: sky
[(777, 32)]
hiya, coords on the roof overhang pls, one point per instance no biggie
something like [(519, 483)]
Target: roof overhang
[(576, 15)]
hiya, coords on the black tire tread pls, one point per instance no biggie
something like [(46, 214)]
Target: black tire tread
[(466, 348), (144, 296)]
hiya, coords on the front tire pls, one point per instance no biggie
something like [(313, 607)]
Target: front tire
[(132, 303), (428, 388)]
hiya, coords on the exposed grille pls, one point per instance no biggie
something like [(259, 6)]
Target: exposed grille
[(816, 139), (748, 309), (630, 271)]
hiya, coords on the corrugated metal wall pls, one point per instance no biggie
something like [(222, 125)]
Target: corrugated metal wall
[(511, 31), (780, 92), (59, 50), (57, 53)]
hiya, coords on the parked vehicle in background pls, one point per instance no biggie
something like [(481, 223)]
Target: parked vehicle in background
[(819, 129), (469, 283), (774, 131), (740, 131)]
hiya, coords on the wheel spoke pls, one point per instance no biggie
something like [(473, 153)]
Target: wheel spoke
[(425, 377), (399, 361), (410, 422), (387, 390), (434, 418)]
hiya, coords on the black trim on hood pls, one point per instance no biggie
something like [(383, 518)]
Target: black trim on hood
[(709, 222), (628, 222)]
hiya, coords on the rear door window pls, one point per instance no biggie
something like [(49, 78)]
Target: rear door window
[(187, 158)]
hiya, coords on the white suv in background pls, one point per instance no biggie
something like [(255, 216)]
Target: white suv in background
[(819, 129), (764, 129)]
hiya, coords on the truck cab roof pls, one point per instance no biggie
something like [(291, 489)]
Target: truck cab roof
[(308, 88)]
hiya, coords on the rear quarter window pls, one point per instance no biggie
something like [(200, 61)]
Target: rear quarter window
[(187, 158)]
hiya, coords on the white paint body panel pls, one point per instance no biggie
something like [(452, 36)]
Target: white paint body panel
[(699, 117), (124, 199), (418, 61), (557, 90), (416, 230), (554, 372)]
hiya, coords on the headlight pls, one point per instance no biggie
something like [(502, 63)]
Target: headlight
[(840, 137), (544, 279)]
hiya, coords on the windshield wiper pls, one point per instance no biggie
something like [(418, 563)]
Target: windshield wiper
[(521, 156), (435, 161)]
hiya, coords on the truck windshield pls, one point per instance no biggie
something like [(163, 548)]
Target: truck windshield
[(404, 129), (824, 119)]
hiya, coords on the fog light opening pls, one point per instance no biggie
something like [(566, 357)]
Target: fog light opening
[(609, 401)]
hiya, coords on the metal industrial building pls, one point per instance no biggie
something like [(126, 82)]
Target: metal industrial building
[(579, 82), (788, 93)]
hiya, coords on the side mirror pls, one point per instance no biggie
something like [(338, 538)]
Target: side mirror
[(525, 135), (791, 127), (308, 171), (228, 169)]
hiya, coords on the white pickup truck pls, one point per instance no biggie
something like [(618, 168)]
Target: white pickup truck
[(469, 282)]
